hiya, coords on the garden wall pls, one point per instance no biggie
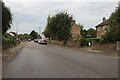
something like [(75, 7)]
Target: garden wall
[(70, 43), (105, 47)]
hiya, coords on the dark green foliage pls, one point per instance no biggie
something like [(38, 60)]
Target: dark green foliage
[(6, 18), (24, 36), (83, 31), (58, 26), (91, 33), (8, 40), (33, 34), (113, 34), (84, 42)]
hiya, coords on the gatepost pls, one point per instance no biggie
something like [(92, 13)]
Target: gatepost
[(118, 45)]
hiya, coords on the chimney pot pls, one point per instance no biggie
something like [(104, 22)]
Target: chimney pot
[(103, 19)]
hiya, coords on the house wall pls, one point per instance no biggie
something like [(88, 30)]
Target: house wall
[(101, 31), (75, 31)]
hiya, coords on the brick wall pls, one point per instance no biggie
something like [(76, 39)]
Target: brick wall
[(57, 42), (75, 31), (70, 43), (105, 47)]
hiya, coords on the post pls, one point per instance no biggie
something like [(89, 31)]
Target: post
[(118, 45), (39, 30), (17, 33)]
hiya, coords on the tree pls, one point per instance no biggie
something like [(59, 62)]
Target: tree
[(113, 34), (83, 31), (91, 33), (59, 26), (33, 34), (6, 18), (24, 36)]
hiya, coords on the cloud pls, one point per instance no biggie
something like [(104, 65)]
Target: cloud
[(31, 15), (63, 0)]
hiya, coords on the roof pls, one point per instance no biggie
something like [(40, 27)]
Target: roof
[(106, 22)]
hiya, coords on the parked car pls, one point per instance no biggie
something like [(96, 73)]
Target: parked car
[(29, 40), (36, 40), (42, 41)]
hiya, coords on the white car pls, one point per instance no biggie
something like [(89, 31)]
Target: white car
[(42, 41)]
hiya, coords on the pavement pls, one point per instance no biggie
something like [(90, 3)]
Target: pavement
[(8, 53), (51, 61), (0, 64)]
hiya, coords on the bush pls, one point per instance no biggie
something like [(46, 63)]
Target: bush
[(84, 42), (8, 41)]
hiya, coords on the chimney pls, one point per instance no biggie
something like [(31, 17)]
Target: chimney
[(103, 19)]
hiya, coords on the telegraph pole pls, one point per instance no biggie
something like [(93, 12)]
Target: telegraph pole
[(17, 32), (39, 30), (17, 28)]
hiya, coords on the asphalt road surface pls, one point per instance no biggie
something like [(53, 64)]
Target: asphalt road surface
[(51, 61)]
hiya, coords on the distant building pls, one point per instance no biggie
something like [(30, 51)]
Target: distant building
[(12, 33), (102, 28), (75, 31)]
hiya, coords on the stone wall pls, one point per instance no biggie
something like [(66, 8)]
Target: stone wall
[(57, 42), (70, 43), (105, 47)]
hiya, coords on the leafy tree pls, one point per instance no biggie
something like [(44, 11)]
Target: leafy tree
[(91, 33), (113, 34), (83, 31), (33, 34), (6, 18), (24, 36), (59, 26), (47, 29)]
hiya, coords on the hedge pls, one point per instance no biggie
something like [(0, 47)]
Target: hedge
[(8, 41), (84, 42)]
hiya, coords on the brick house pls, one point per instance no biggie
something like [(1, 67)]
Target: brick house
[(102, 28), (75, 31)]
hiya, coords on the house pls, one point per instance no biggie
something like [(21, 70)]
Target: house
[(75, 31), (12, 33), (102, 28)]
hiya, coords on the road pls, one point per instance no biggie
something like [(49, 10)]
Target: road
[(51, 61)]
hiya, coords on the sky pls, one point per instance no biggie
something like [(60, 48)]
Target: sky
[(29, 15)]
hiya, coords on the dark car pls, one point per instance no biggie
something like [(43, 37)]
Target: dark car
[(36, 40)]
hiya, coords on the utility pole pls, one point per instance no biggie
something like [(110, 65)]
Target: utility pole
[(39, 30), (17, 32), (17, 28)]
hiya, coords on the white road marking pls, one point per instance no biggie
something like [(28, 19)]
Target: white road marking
[(94, 51)]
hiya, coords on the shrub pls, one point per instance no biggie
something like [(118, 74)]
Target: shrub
[(8, 41), (84, 42)]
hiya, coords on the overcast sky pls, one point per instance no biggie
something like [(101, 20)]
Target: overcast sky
[(30, 15)]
